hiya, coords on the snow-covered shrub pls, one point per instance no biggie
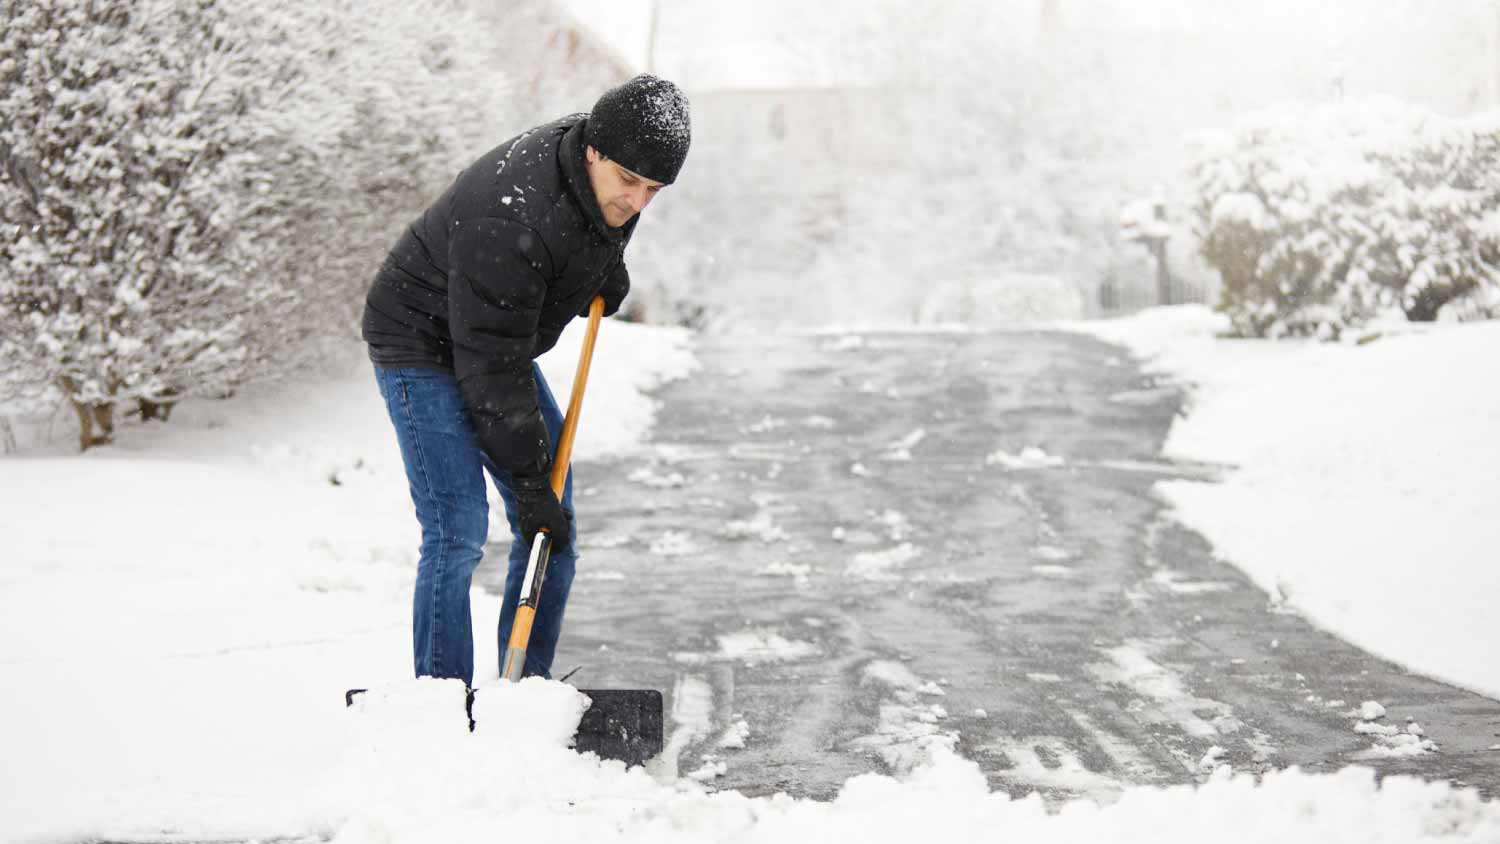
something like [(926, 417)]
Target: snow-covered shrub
[(189, 190), (129, 169), (1319, 217)]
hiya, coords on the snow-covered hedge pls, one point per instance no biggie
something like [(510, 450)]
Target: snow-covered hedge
[(190, 190), (1318, 217)]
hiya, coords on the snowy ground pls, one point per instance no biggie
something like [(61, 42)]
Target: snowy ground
[(1366, 480), (183, 610)]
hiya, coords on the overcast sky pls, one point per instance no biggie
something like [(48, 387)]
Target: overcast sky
[(777, 43)]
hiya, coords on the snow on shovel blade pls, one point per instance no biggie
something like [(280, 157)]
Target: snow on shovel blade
[(623, 724)]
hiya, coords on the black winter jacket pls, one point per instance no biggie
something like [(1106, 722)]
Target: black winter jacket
[(485, 279)]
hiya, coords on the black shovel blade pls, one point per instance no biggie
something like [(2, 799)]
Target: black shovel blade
[(623, 724)]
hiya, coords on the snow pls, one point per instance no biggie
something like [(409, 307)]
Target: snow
[(882, 565), (1363, 479), (753, 647), (183, 610), (796, 571), (1131, 667), (569, 797), (735, 735), (900, 450), (674, 543), (1048, 570), (1318, 217), (760, 526), (649, 476), (1031, 457)]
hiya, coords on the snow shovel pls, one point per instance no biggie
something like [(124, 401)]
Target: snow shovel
[(623, 724)]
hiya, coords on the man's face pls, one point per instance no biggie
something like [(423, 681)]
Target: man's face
[(621, 193)]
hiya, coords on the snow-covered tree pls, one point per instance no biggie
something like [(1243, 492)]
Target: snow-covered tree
[(1319, 217), (190, 189), (129, 168)]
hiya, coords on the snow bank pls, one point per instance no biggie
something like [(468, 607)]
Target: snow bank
[(1365, 483), (629, 361)]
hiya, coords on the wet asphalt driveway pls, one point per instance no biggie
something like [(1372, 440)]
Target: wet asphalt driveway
[(839, 550)]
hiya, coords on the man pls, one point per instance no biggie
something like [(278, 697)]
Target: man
[(473, 292)]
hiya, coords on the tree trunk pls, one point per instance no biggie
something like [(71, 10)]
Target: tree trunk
[(155, 410), (1425, 307), (104, 420), (90, 416)]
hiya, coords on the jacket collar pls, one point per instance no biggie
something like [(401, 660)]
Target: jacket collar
[(570, 156)]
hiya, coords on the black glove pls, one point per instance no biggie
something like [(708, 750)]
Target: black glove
[(537, 508)]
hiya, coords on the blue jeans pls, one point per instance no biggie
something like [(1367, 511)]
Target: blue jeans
[(445, 468)]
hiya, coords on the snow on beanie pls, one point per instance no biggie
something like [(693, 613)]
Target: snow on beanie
[(643, 126)]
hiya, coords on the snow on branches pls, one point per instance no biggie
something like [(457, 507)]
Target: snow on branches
[(124, 152), (1319, 217), (190, 190)]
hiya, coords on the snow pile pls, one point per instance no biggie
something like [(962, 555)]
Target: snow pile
[(1365, 483), (629, 362), (390, 765), (413, 773)]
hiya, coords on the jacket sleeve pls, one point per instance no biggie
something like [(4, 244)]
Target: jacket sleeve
[(497, 282)]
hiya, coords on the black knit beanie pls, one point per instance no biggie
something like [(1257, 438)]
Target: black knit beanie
[(643, 126)]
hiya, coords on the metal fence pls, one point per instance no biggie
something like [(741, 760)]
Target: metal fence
[(1119, 296)]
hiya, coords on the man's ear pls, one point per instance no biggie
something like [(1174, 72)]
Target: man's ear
[(592, 155)]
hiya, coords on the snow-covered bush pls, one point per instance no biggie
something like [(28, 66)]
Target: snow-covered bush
[(190, 190), (129, 169), (1319, 217)]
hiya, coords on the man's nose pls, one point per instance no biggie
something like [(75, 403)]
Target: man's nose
[(638, 197)]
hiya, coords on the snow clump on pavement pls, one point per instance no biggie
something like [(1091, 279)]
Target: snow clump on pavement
[(1031, 457)]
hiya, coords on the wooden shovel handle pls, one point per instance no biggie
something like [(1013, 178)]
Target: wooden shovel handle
[(575, 402), (536, 569)]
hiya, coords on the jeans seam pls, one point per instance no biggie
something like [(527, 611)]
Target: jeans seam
[(434, 641)]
